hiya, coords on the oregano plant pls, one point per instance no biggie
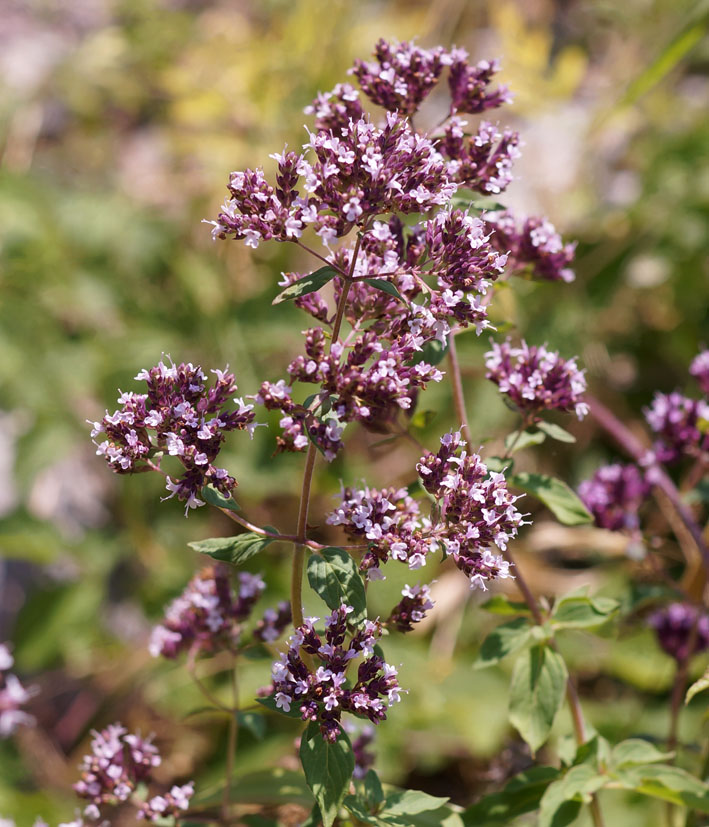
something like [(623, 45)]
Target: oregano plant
[(403, 218)]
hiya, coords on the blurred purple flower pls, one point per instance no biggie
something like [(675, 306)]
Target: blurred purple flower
[(699, 369), (614, 494), (673, 626), (676, 420)]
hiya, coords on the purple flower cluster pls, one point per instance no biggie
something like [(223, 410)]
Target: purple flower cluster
[(412, 607), (119, 761), (481, 161), (207, 616), (273, 623), (402, 77), (381, 371), (674, 627), (476, 510), (172, 803), (536, 379), (391, 521), (179, 416), (699, 369), (324, 693), (469, 85), (361, 172), (334, 110), (676, 419), (13, 696), (614, 495), (536, 249)]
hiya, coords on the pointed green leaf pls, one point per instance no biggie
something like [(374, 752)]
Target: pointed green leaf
[(556, 496), (518, 441), (499, 464), (308, 284), (666, 783), (253, 722), (537, 693), (637, 751), (521, 795), (698, 686), (502, 641), (580, 612), (500, 605), (234, 550), (334, 576), (573, 789), (555, 432), (410, 803), (328, 769), (218, 500), (386, 287)]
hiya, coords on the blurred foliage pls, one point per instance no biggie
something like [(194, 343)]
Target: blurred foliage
[(119, 123)]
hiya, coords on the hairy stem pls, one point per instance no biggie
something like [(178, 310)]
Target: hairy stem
[(632, 445), (296, 591), (457, 387)]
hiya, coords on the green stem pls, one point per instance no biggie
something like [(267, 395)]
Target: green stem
[(457, 386), (232, 738)]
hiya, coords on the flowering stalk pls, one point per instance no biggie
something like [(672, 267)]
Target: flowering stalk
[(301, 531), (572, 697)]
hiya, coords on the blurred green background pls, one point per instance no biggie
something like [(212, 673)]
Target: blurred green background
[(119, 123)]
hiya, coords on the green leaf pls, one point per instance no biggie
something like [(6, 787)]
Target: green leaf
[(517, 441), (499, 605), (502, 641), (410, 803), (218, 500), (372, 789), (499, 464), (386, 287), (432, 353), (555, 432), (422, 419), (234, 550), (556, 496), (328, 768), (698, 686), (253, 722), (334, 577), (636, 751), (581, 612), (667, 783), (537, 693), (270, 786), (521, 794), (308, 284), (574, 788)]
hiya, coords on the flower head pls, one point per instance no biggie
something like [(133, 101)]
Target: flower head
[(208, 615), (180, 415), (674, 627), (13, 696), (469, 85), (614, 494), (536, 379), (536, 248), (412, 607), (322, 693), (677, 421), (402, 77), (699, 369)]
